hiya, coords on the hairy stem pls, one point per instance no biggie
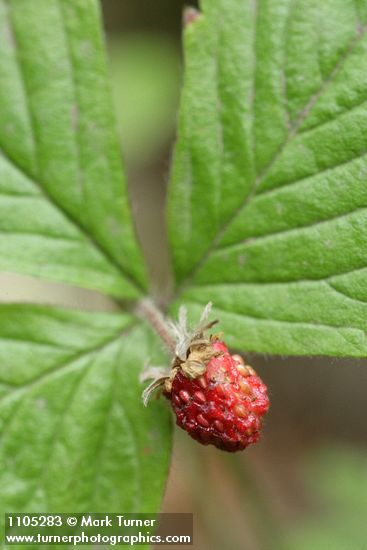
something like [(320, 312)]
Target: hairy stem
[(147, 310)]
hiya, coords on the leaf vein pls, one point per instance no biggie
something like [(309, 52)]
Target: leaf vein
[(47, 236), (343, 113), (341, 293), (69, 362), (291, 322), (292, 230)]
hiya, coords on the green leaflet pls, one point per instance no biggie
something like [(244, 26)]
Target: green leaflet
[(268, 197), (74, 434), (64, 212)]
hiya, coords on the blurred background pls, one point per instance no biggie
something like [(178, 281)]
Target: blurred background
[(304, 487)]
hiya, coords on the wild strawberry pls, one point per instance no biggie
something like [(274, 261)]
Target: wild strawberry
[(224, 405), (216, 398)]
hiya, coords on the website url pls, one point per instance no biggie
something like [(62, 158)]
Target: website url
[(111, 540)]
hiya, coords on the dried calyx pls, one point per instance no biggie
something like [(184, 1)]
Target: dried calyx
[(193, 351)]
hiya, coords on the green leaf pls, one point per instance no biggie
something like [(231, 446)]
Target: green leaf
[(268, 198), (64, 212), (74, 434)]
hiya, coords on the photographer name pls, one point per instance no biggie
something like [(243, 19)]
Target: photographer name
[(116, 520)]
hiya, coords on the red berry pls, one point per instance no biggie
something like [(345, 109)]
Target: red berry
[(223, 406), (216, 398)]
